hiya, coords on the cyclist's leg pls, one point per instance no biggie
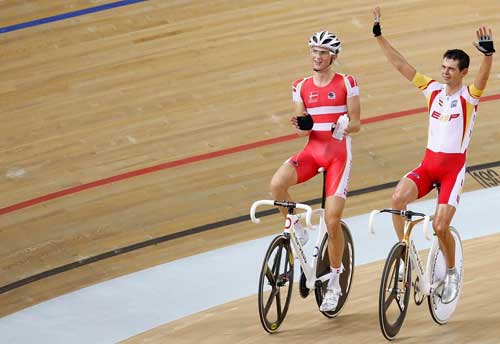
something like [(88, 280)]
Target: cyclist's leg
[(405, 193), (451, 184), (281, 181), (441, 224), (295, 170), (448, 199), (336, 183), (415, 184), (334, 206)]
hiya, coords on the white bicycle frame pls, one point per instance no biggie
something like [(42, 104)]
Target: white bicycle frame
[(424, 285), (308, 264)]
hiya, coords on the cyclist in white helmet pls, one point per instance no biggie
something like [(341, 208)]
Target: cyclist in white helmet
[(327, 40), (327, 110)]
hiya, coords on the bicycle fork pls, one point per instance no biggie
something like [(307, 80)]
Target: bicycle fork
[(308, 267), (422, 284)]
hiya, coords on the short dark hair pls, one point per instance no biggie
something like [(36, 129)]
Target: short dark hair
[(458, 55)]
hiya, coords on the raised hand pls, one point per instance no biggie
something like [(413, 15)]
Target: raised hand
[(485, 41), (377, 31)]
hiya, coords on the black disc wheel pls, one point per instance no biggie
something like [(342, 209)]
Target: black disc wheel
[(275, 283), (394, 296), (323, 268)]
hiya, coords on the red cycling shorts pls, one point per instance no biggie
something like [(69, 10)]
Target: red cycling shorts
[(447, 169), (334, 156)]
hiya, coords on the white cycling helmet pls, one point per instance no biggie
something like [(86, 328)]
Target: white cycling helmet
[(327, 40)]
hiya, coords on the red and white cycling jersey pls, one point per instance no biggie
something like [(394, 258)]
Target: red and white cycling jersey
[(451, 118), (325, 105)]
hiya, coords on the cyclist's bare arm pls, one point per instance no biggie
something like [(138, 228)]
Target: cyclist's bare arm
[(394, 57), (353, 109)]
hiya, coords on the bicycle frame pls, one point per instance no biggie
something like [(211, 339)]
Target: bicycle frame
[(395, 283), (309, 268), (308, 264), (424, 285)]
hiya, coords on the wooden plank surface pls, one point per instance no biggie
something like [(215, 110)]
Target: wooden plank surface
[(120, 91), (474, 321)]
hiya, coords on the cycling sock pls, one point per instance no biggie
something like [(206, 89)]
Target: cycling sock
[(334, 279)]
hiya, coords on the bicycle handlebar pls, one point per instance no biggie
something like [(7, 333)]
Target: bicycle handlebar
[(425, 228), (285, 204), (370, 221), (408, 214)]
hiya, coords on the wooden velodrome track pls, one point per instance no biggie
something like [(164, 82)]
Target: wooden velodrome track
[(148, 120)]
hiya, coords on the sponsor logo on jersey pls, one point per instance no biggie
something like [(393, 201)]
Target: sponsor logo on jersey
[(454, 103), (313, 96), (331, 95), (444, 118)]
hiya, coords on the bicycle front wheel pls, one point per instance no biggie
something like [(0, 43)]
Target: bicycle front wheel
[(394, 296), (441, 312), (323, 267), (275, 283)]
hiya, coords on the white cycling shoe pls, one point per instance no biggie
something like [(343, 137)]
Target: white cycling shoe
[(450, 288), (330, 300)]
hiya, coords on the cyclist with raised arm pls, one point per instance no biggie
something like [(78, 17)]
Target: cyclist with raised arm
[(327, 110), (452, 110)]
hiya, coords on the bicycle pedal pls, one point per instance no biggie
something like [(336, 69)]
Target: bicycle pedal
[(439, 290), (303, 290)]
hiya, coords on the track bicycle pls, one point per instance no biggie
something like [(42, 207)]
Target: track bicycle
[(395, 286), (277, 273)]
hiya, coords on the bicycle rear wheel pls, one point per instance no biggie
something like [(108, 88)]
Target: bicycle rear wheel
[(441, 312), (323, 267), (394, 297), (275, 283)]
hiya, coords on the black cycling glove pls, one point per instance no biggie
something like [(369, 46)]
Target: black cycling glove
[(485, 45), (305, 122), (377, 31)]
